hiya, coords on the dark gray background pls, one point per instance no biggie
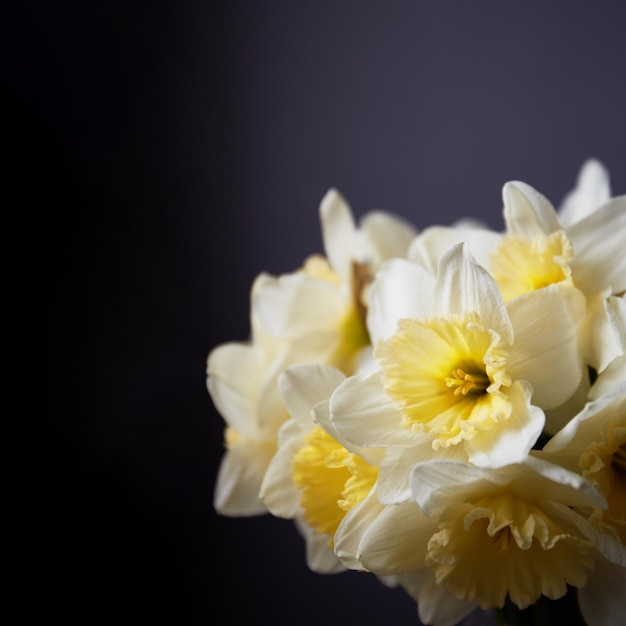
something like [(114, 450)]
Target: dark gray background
[(160, 155)]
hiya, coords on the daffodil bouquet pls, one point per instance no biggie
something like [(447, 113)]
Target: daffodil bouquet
[(445, 408)]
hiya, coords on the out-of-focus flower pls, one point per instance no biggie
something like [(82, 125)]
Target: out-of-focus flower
[(327, 298), (315, 476)]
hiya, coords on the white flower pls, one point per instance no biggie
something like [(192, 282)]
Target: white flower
[(457, 366), (506, 532), (315, 477), (242, 382), (326, 300)]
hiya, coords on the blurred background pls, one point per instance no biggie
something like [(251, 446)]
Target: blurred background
[(158, 156)]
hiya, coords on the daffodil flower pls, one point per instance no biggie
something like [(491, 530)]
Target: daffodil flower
[(315, 476), (506, 532), (456, 366), (327, 298), (242, 382)]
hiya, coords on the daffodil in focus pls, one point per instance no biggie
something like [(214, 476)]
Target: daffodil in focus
[(316, 477), (458, 366), (326, 299)]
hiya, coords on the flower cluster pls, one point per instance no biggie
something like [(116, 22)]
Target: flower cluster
[(444, 408)]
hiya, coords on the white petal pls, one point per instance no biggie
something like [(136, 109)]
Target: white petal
[(401, 289), (235, 374), (395, 468), (601, 600), (389, 236), (463, 285), (527, 213), (338, 232), (429, 246), (397, 540), (319, 556), (435, 484), (363, 413), (439, 607), (239, 478), (592, 190), (304, 386), (356, 521), (598, 241), (512, 440), (295, 304), (277, 489), (546, 351)]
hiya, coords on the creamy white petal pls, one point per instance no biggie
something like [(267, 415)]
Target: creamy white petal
[(338, 233), (397, 540), (395, 468), (527, 213), (435, 484), (294, 304), (389, 236), (601, 600), (429, 246), (598, 241), (436, 606), (319, 556), (401, 289), (235, 374), (239, 478), (513, 439), (356, 521), (546, 351), (277, 489), (363, 413), (592, 190), (304, 386), (463, 285), (321, 416)]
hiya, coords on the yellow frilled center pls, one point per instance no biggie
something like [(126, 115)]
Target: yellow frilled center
[(604, 465), (331, 479), (351, 331), (502, 545), (446, 376), (519, 265)]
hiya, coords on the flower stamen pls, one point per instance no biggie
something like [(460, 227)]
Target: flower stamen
[(467, 383)]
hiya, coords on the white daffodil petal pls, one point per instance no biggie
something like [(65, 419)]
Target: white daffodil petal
[(239, 478), (395, 468), (598, 240), (545, 352), (434, 484), (527, 213), (389, 235), (429, 246), (439, 607), (514, 438), (277, 490), (234, 376), (294, 304), (396, 540), (601, 600), (338, 233), (593, 189), (320, 558), (363, 413), (352, 527), (401, 289), (463, 285), (304, 386)]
